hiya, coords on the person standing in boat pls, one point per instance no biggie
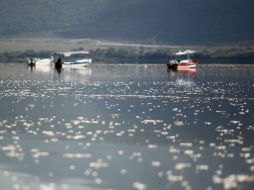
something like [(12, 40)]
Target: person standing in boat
[(58, 63)]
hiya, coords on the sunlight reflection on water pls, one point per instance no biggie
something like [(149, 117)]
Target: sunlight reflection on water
[(126, 127)]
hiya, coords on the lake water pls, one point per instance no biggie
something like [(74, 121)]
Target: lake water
[(126, 127)]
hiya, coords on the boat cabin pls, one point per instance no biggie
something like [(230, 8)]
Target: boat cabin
[(80, 58)]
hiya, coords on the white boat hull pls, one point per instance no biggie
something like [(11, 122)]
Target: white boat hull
[(75, 65), (43, 62)]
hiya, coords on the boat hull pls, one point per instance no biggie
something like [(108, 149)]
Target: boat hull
[(39, 62), (182, 65), (43, 62), (75, 65)]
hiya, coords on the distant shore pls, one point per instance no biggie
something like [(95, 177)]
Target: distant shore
[(18, 50)]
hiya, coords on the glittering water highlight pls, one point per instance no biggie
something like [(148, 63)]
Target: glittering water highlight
[(126, 127)]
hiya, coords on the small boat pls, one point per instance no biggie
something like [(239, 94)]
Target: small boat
[(39, 62), (72, 59), (178, 64)]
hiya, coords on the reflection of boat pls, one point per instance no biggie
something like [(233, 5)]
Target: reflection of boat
[(75, 74), (73, 59), (184, 71), (39, 62), (183, 77), (188, 71), (43, 69), (180, 64)]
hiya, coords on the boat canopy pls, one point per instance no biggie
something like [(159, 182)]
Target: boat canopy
[(186, 52), (72, 53)]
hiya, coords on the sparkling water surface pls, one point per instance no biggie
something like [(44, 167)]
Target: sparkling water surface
[(126, 127)]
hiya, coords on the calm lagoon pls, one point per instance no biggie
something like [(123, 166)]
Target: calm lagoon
[(126, 126)]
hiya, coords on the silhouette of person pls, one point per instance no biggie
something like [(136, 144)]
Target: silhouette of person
[(58, 63)]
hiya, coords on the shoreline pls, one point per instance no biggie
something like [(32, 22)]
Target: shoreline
[(19, 49), (237, 65)]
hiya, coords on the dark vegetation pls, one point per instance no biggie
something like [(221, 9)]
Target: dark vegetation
[(22, 56), (140, 55)]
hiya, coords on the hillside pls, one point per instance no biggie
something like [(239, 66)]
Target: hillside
[(24, 16), (160, 21)]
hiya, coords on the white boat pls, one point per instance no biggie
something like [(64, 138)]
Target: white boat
[(181, 64), (39, 62), (72, 59)]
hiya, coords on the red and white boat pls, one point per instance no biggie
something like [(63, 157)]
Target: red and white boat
[(181, 64)]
